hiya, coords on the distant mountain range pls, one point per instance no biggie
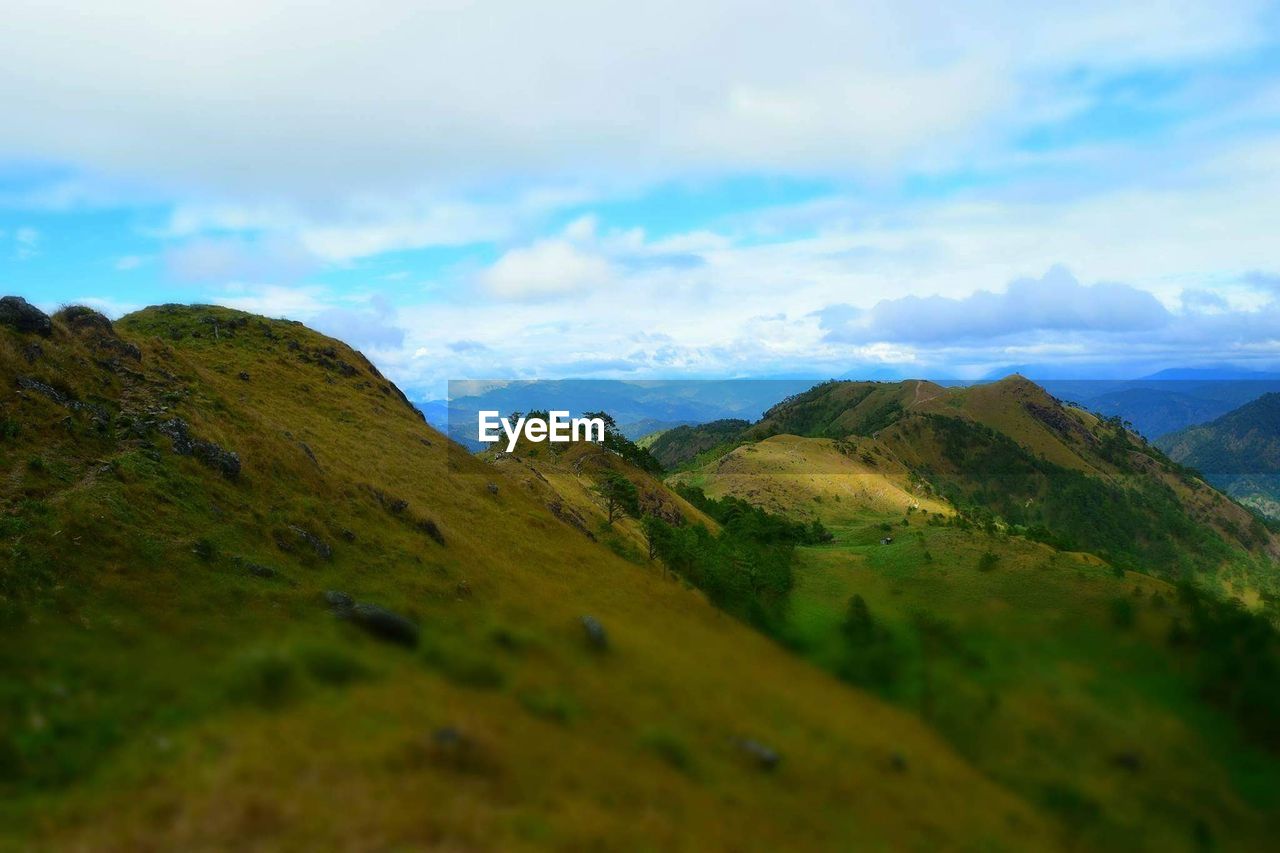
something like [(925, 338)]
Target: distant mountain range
[(639, 407), (1154, 405)]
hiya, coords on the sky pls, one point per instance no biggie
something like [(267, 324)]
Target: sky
[(662, 190)]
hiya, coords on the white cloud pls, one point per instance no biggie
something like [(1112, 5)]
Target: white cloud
[(554, 267), (404, 95)]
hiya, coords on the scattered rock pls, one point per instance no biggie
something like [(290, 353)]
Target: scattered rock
[(385, 624), (596, 636), (492, 487), (82, 317), (767, 758), (26, 383), (21, 315), (218, 458), (378, 621), (323, 549), (448, 736), (458, 750), (431, 529), (306, 448), (258, 570), (224, 461), (339, 602), (571, 517)]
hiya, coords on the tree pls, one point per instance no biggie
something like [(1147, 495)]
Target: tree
[(620, 495), (652, 527)]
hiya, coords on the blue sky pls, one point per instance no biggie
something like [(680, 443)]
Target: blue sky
[(662, 190)]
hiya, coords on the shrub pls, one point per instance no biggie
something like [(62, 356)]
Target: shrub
[(267, 678), (668, 746), (1122, 612), (550, 704), (333, 665)]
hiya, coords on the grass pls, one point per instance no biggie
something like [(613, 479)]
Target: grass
[(1051, 675), (157, 694)]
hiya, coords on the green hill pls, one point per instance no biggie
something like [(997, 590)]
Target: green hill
[(1239, 452), (683, 445), (1085, 621), (249, 599)]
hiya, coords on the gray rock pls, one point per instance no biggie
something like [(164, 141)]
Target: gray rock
[(225, 462), (385, 624), (21, 315), (340, 602), (596, 636), (80, 317), (218, 458), (26, 383), (323, 550), (766, 757)]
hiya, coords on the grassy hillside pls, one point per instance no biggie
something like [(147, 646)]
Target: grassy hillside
[(809, 478), (1239, 453), (1052, 672), (249, 600), (1007, 453), (1132, 709), (685, 445)]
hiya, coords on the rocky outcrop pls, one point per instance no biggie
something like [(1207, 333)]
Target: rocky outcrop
[(21, 315), (225, 462)]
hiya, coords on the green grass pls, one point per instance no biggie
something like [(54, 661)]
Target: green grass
[(156, 693), (1050, 674)]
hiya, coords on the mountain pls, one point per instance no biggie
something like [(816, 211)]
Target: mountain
[(636, 405), (1239, 452), (1081, 618), (1010, 449), (683, 444), (250, 600)]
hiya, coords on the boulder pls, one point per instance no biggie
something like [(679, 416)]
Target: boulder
[(81, 317), (596, 636), (385, 624), (218, 458), (323, 550), (766, 757), (339, 602), (21, 315)]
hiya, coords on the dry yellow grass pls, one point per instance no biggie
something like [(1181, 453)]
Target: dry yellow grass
[(814, 478)]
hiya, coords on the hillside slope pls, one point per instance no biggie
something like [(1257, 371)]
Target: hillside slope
[(243, 583), (1239, 452), (808, 478), (1009, 451), (1051, 616)]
